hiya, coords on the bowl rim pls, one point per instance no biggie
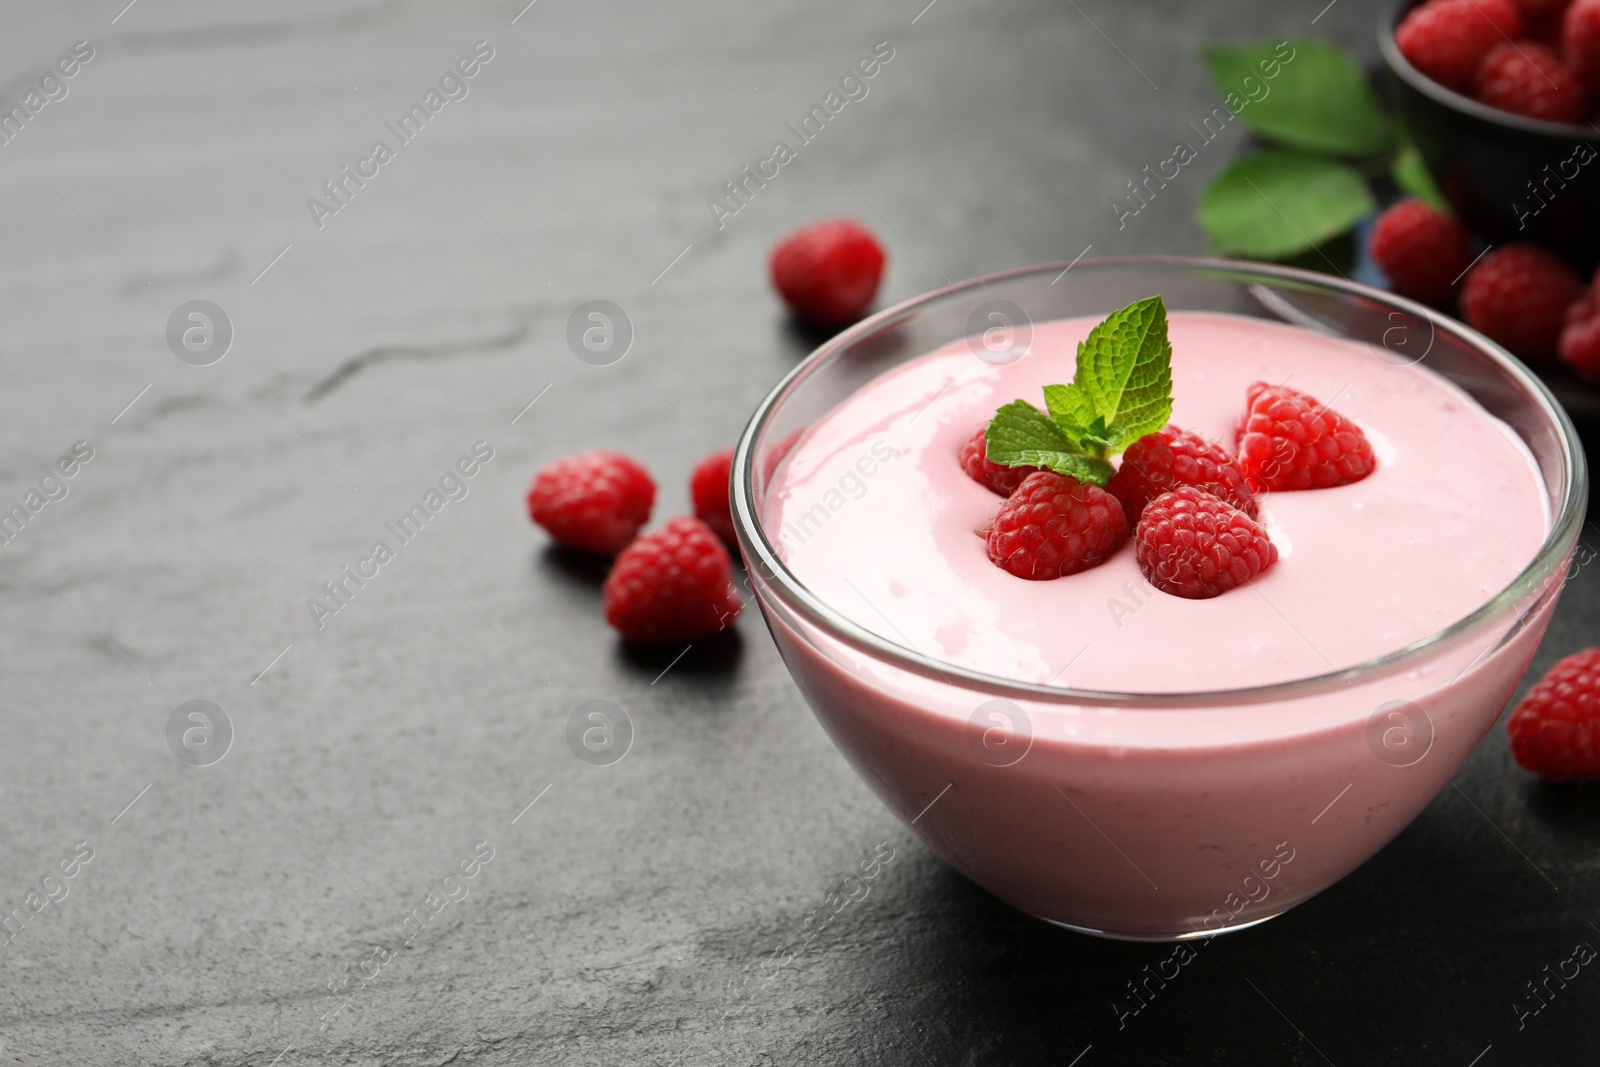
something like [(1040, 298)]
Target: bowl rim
[(760, 554), (1389, 20)]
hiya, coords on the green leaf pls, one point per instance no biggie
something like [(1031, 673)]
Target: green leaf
[(1073, 464), (1072, 409), (1274, 204), (1304, 94), (1122, 390), (1125, 371), (1019, 427), (1411, 175), (1020, 435)]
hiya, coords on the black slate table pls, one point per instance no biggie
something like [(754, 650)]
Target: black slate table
[(225, 910)]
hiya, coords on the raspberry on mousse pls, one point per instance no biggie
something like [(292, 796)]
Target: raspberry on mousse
[(1287, 440), (1055, 525), (1163, 461), (992, 476), (1192, 545)]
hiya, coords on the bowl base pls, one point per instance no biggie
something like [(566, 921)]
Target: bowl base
[(1178, 935)]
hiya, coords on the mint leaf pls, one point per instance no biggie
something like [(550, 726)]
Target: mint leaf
[(1072, 409), (1303, 94), (1122, 390), (1021, 427), (1125, 371), (1020, 435), (1411, 175), (1274, 204)]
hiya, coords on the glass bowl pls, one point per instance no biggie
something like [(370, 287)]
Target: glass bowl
[(1158, 816)]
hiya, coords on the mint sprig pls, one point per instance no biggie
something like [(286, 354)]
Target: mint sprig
[(1121, 390)]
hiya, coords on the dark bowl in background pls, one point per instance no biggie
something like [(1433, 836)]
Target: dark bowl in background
[(1494, 167)]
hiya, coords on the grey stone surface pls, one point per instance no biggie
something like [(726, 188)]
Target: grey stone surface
[(622, 912)]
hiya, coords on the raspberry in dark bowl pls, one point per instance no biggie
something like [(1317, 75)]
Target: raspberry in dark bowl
[(1511, 177)]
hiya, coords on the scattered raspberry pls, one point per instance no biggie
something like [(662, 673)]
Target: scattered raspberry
[(1518, 295), (975, 461), (594, 501), (828, 272), (1445, 39), (1287, 440), (1422, 250), (1528, 79), (1555, 730), (708, 488), (1191, 544), (1580, 337), (672, 585), (1160, 462), (1054, 525)]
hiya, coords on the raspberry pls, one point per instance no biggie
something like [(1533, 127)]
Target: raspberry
[(1580, 337), (1445, 39), (1518, 295), (1528, 79), (1055, 525), (1191, 544), (1555, 729), (1159, 462), (1287, 440), (975, 461), (1580, 43), (594, 501), (672, 585), (708, 488), (1422, 250), (828, 272), (1507, 16)]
